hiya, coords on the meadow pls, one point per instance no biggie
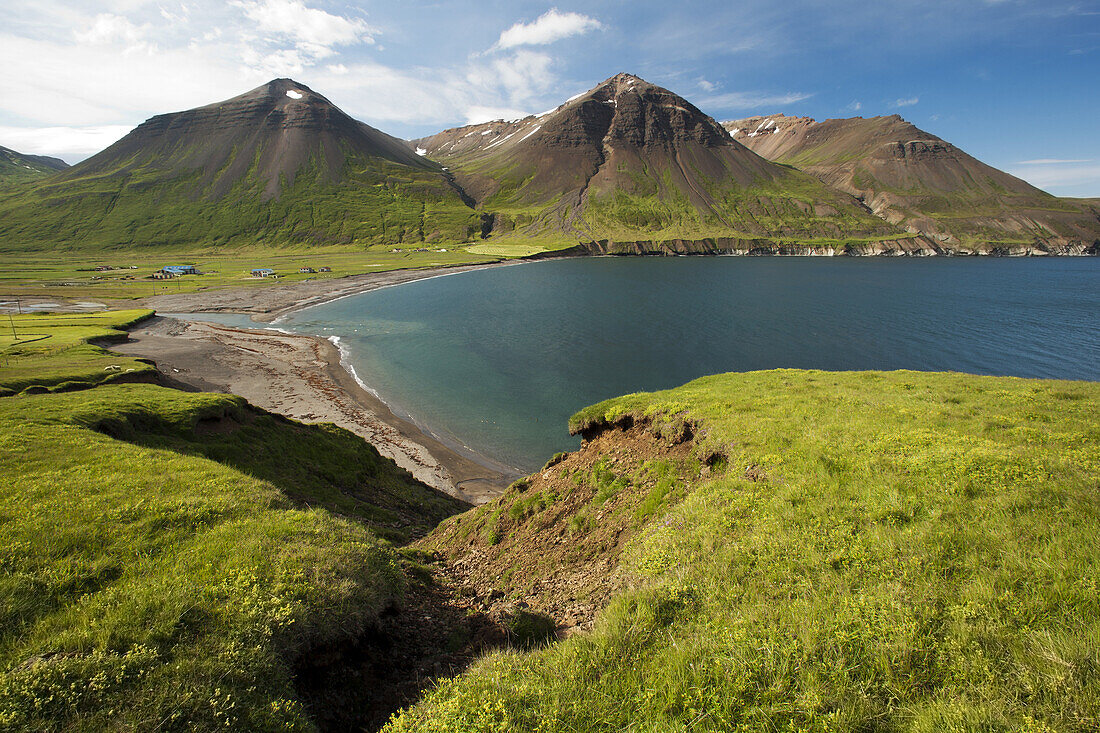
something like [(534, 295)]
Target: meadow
[(33, 277), (888, 551), (50, 352), (168, 559)]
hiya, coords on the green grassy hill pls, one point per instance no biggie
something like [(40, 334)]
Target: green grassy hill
[(19, 166), (896, 551), (177, 561)]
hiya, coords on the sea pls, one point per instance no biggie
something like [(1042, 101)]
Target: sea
[(494, 361)]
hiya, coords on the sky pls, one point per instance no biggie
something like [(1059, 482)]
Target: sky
[(1016, 83)]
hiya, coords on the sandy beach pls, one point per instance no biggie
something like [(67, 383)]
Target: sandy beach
[(301, 377)]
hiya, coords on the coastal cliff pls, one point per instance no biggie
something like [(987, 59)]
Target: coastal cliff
[(919, 246)]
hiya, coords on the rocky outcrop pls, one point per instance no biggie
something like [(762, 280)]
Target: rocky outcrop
[(902, 247)]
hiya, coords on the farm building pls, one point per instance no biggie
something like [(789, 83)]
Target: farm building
[(325, 269), (180, 269), (306, 269), (262, 272)]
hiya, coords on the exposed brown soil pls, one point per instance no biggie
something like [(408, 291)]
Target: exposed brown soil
[(466, 588), (553, 542)]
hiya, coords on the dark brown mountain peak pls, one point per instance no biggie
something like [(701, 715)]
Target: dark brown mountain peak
[(646, 115), (264, 135)]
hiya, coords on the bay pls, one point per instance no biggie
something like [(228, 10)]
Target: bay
[(496, 360)]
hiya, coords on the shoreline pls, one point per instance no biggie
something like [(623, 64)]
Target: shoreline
[(304, 378), (269, 304), (461, 471)]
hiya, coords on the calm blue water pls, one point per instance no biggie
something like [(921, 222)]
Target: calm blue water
[(499, 359)]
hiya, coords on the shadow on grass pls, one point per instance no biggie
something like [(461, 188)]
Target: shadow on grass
[(316, 465)]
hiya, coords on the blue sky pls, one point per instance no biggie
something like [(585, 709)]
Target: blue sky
[(1013, 82)]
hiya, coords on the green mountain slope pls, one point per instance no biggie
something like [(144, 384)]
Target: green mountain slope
[(277, 165), (839, 552), (916, 180), (20, 165), (631, 161)]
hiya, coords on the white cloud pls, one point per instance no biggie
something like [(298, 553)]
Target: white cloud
[(706, 86), (1053, 161), (1085, 179), (553, 25), (855, 106), (108, 29), (337, 68), (906, 101), (293, 36), (96, 85), (67, 142), (477, 114), (522, 75), (379, 93), (306, 26), (750, 100)]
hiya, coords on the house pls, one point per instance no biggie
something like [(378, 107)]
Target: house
[(324, 269), (180, 269), (164, 275), (306, 270), (262, 272)]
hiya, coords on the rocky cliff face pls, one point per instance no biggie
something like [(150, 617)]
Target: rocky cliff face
[(926, 185), (901, 247)]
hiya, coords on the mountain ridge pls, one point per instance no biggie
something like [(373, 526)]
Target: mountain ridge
[(627, 160), (626, 167), (921, 182), (16, 164)]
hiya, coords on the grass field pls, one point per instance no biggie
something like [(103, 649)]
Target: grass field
[(72, 275), (895, 551), (50, 352), (168, 558)]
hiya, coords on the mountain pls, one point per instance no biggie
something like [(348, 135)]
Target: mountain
[(14, 164), (629, 160), (916, 180), (280, 164)]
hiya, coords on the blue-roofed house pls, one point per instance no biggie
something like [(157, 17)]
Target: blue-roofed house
[(180, 269), (262, 272)]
